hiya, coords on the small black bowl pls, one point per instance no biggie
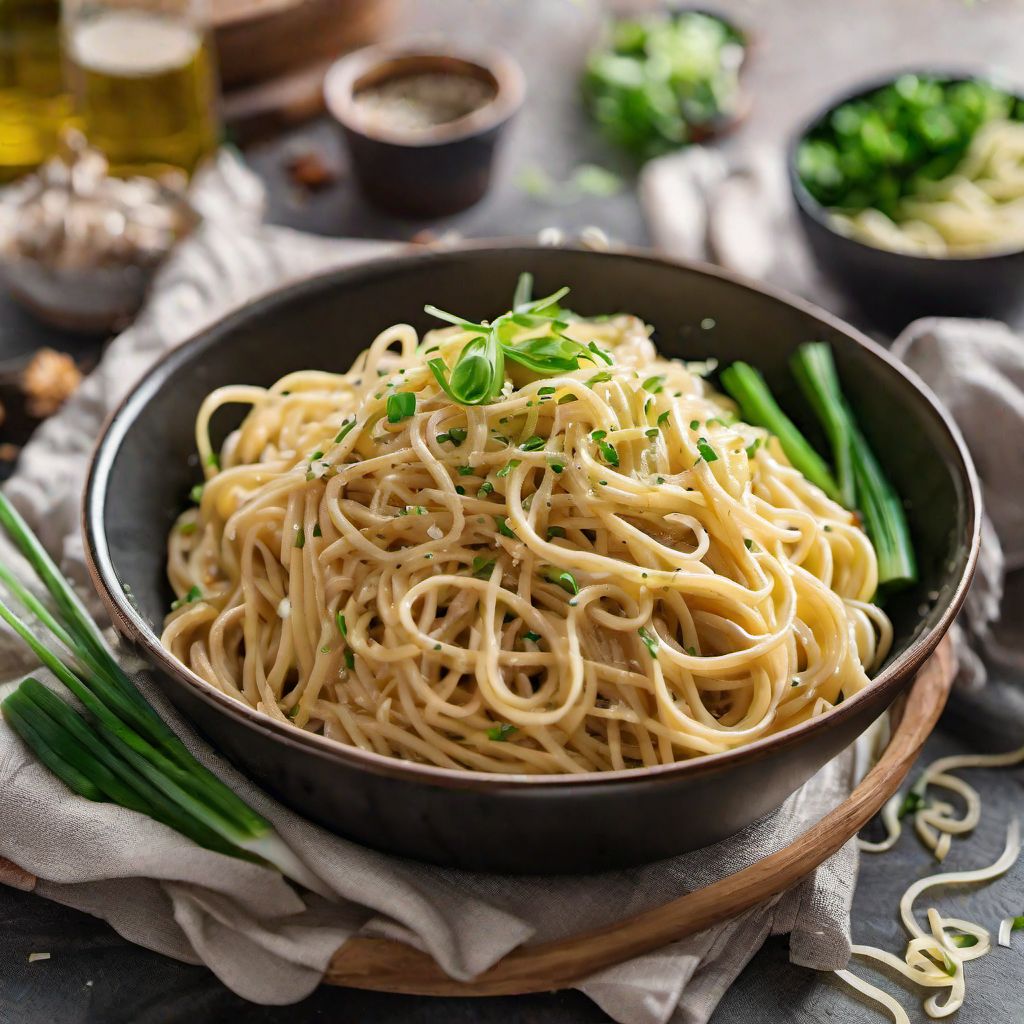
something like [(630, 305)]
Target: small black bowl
[(430, 172), (893, 288)]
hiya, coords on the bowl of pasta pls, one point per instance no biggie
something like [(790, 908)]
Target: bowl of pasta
[(910, 191), (530, 559)]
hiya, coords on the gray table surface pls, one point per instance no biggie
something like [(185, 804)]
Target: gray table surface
[(806, 50)]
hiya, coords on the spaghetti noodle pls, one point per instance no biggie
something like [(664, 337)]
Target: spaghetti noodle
[(595, 570)]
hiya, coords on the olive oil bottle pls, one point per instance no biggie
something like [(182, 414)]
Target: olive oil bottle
[(34, 104), (143, 82)]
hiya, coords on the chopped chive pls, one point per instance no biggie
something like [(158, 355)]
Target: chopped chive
[(465, 470), (748, 543), (500, 733), (556, 467), (694, 424), (547, 391), (649, 642), (317, 532), (508, 467), (300, 537), (194, 594), (752, 448), (342, 626), (346, 427), (350, 658), (532, 444), (708, 454), (186, 529), (482, 567), (530, 635), (459, 489), (565, 580), (912, 803), (213, 459), (400, 405), (654, 384), (486, 488), (196, 494), (556, 531), (652, 433), (598, 378), (566, 399), (503, 528)]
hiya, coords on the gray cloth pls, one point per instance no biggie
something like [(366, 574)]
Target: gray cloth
[(250, 927)]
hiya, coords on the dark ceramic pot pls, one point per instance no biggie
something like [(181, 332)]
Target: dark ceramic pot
[(436, 171), (145, 465), (892, 288)]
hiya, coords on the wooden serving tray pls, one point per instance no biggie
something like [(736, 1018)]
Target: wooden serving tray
[(383, 965), (386, 966)]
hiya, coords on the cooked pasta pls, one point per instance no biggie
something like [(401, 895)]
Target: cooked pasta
[(598, 569), (979, 208)]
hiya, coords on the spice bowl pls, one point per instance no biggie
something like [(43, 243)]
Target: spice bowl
[(422, 127)]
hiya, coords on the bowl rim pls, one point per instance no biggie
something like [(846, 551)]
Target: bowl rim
[(510, 91), (131, 623), (820, 214)]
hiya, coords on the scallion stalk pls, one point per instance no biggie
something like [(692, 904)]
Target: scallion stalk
[(127, 753), (879, 504), (748, 388)]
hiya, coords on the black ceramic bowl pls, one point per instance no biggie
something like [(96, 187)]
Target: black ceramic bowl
[(145, 465), (892, 288)]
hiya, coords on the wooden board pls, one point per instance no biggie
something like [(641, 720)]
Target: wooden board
[(386, 966)]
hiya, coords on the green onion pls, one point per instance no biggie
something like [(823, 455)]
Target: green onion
[(342, 626), (965, 941), (400, 406), (123, 733), (652, 433), (565, 580), (533, 444), (598, 378), (482, 567), (654, 384), (194, 594), (196, 494), (556, 531), (344, 432), (611, 456), (213, 459), (748, 388), (485, 488), (858, 469), (501, 732), (508, 467), (707, 453), (530, 635), (300, 538), (650, 642), (912, 803), (465, 470), (503, 528)]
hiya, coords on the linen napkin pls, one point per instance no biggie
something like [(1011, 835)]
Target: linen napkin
[(252, 929)]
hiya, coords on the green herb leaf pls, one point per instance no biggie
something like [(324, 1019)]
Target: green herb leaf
[(708, 454), (342, 627), (530, 635), (300, 537), (213, 459), (196, 494), (556, 531), (654, 384), (508, 467), (500, 733), (564, 579), (187, 529), (194, 594), (344, 432), (400, 405), (317, 532), (650, 642), (466, 470), (482, 567), (532, 444), (611, 456), (503, 528), (912, 803), (485, 488)]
